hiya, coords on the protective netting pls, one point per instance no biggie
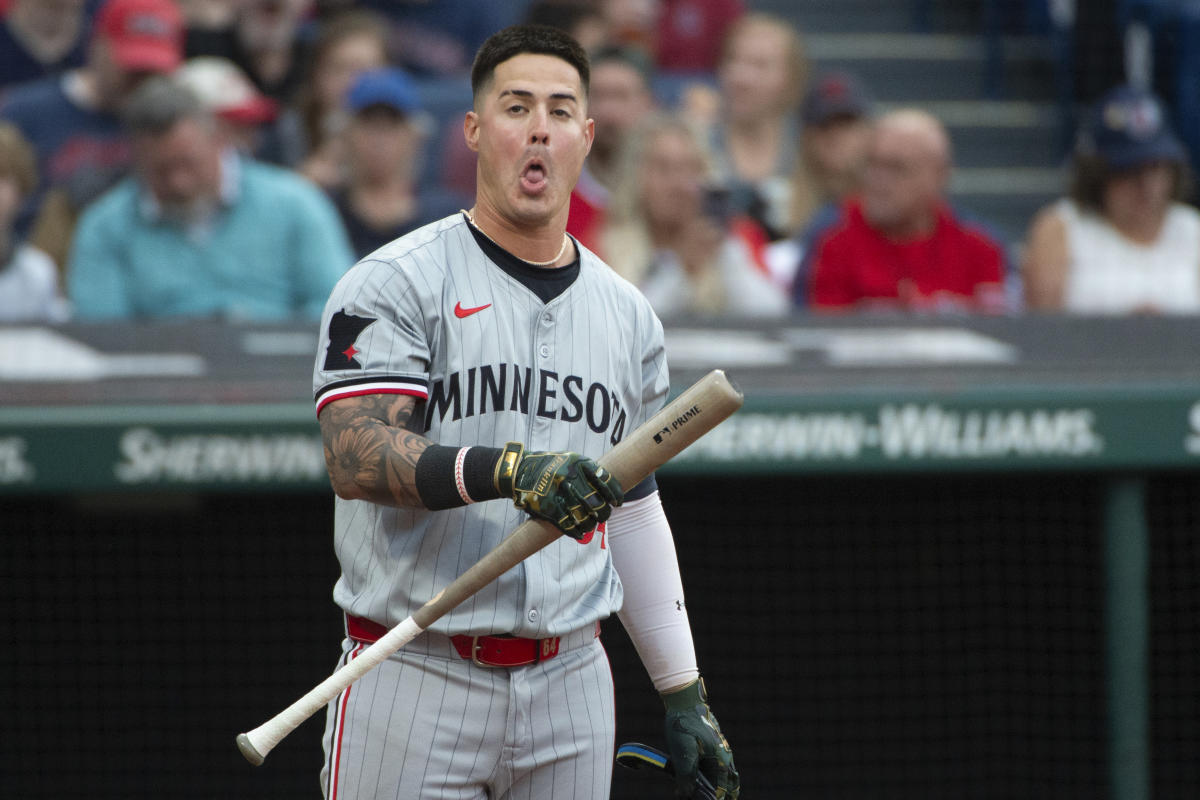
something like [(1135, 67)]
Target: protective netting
[(908, 637), (926, 638), (143, 638), (1173, 510)]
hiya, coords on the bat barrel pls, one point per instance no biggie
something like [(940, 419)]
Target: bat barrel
[(697, 410)]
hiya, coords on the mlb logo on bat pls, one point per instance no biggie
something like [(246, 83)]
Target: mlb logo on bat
[(658, 437)]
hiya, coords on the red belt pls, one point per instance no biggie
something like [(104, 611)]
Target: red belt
[(486, 651)]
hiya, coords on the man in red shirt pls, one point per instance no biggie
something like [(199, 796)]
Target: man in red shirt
[(900, 245)]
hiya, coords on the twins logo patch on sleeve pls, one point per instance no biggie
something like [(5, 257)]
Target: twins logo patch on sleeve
[(343, 331)]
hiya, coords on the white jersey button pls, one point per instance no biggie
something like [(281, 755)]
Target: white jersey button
[(533, 615), (544, 351)]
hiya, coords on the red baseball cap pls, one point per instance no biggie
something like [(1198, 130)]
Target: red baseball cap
[(144, 35)]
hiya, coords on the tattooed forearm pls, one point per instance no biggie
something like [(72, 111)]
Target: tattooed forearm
[(371, 448)]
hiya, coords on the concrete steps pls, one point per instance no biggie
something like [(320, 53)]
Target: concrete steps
[(1006, 198), (845, 16), (930, 67), (1001, 133)]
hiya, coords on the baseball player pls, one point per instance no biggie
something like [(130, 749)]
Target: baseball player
[(482, 358)]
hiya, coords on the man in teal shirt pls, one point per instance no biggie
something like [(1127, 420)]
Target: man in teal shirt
[(200, 230)]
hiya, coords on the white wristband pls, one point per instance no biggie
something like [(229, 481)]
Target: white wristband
[(460, 482)]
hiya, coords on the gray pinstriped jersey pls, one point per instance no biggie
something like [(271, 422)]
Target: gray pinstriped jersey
[(431, 316)]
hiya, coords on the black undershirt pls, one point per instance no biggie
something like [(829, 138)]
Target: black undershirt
[(546, 282)]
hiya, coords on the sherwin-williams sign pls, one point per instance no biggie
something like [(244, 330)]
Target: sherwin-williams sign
[(255, 447)]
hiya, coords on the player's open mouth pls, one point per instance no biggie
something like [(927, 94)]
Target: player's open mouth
[(533, 177)]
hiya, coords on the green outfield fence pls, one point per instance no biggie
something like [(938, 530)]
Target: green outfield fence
[(925, 636), (928, 559)]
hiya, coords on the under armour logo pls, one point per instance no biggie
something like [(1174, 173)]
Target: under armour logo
[(679, 605)]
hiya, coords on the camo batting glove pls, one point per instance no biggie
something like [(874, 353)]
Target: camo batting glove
[(570, 491), (696, 744)]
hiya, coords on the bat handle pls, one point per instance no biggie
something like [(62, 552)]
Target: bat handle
[(249, 751), (257, 744)]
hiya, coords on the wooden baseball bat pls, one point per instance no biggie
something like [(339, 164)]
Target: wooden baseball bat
[(698, 410)]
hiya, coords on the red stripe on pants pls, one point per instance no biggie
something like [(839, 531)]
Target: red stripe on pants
[(337, 737)]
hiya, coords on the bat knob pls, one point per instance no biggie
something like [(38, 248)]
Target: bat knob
[(249, 750)]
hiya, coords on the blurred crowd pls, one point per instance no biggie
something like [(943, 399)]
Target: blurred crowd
[(231, 158)]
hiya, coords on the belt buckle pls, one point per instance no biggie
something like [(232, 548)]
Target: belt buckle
[(475, 654), (543, 649)]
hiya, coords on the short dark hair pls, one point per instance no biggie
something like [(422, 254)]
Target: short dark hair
[(518, 39), (1090, 174)]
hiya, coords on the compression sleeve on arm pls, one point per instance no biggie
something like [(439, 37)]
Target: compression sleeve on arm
[(654, 614)]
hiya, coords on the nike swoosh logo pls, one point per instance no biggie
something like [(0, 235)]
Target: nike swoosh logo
[(463, 313)]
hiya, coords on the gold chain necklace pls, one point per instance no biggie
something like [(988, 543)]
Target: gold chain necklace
[(550, 263)]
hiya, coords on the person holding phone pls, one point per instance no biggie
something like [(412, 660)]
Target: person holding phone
[(673, 232)]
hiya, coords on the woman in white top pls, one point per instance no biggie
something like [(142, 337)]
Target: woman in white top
[(1122, 243), (666, 235)]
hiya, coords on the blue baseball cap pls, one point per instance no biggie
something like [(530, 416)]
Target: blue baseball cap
[(1129, 128), (389, 87), (835, 94)]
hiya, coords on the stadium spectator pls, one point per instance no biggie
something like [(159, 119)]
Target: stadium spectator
[(836, 119), (631, 23), (900, 246), (72, 120), (243, 113), (762, 76), (201, 231), (347, 45), (678, 36), (380, 198), (670, 231), (1122, 241), (265, 38), (40, 38), (690, 32), (836, 116), (440, 38), (29, 280), (583, 19), (620, 96)]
